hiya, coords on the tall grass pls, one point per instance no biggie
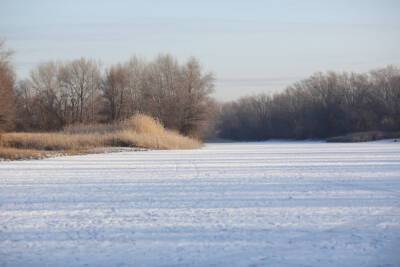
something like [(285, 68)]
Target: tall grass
[(15, 154), (51, 141), (139, 131)]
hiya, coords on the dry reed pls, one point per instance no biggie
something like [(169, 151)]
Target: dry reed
[(139, 131)]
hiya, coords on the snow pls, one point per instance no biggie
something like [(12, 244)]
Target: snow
[(228, 204)]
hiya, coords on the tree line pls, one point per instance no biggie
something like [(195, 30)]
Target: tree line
[(324, 105), (62, 93), (72, 92)]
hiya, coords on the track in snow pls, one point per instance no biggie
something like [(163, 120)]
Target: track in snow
[(244, 204)]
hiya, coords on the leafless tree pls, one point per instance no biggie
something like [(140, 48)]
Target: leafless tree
[(122, 89), (162, 81), (26, 106), (115, 91), (7, 80), (196, 104), (51, 100), (81, 79)]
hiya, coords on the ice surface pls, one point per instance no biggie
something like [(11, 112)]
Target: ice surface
[(243, 204)]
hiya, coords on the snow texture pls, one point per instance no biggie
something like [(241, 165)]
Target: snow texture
[(228, 204)]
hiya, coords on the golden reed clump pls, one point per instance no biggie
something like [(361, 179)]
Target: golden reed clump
[(139, 131)]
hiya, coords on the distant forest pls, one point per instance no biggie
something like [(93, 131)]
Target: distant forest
[(321, 106), (58, 94)]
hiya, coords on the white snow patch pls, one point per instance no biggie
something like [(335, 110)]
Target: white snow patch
[(228, 204)]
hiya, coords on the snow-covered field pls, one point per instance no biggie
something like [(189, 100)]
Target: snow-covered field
[(245, 204)]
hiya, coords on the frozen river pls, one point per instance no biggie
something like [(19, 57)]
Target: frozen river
[(229, 204)]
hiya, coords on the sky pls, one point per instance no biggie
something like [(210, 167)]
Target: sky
[(251, 46)]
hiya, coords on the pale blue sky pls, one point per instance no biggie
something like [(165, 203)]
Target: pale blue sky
[(251, 46)]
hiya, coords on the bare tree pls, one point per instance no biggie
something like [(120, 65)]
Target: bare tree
[(64, 93), (115, 91), (178, 95), (122, 89), (136, 78), (7, 80), (27, 109), (81, 80), (196, 103), (52, 102), (161, 88)]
